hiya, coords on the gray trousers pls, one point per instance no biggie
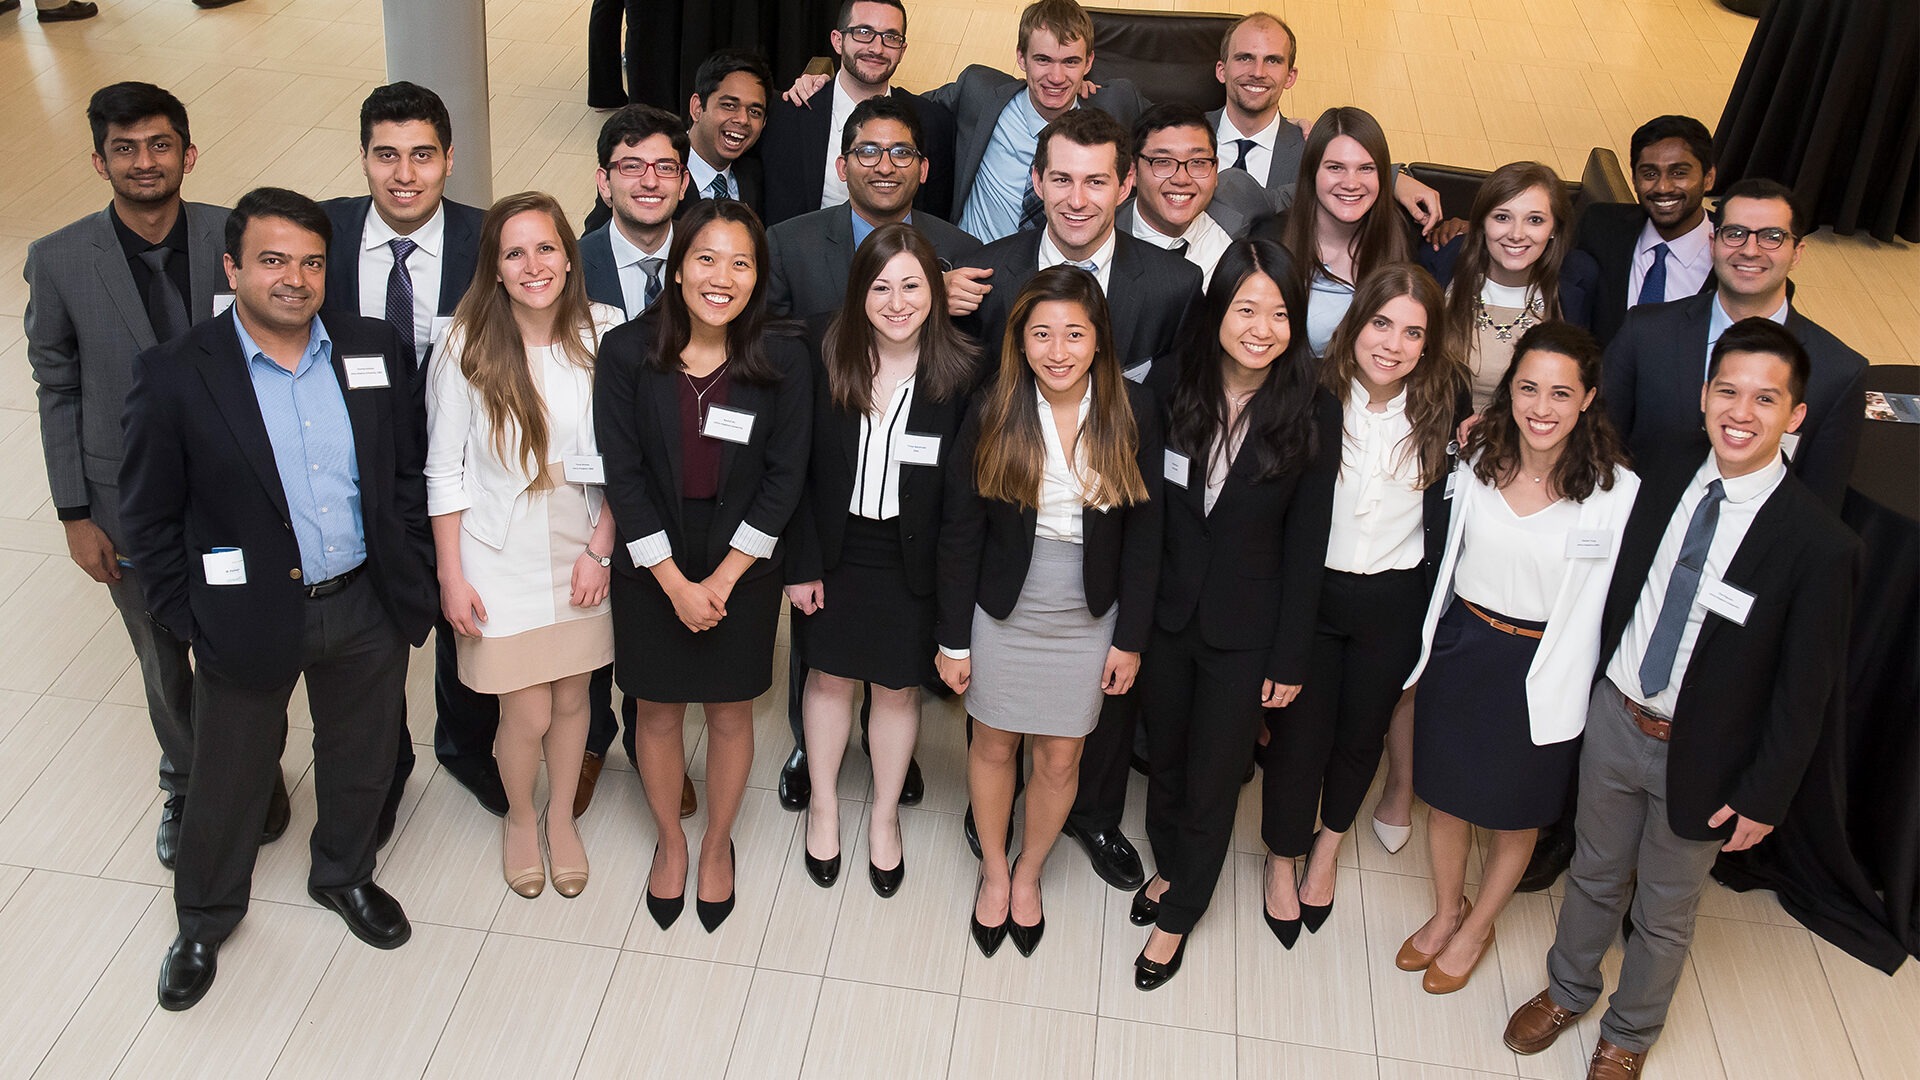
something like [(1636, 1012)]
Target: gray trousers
[(1620, 835), (163, 658)]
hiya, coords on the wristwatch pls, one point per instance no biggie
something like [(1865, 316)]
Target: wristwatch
[(603, 560)]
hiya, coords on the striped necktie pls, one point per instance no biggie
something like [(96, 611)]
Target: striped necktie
[(400, 289)]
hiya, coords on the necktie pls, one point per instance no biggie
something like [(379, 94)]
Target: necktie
[(1178, 247), (1656, 667), (400, 289), (1653, 290), (718, 189), (166, 311), (1032, 213), (651, 267), (1090, 267), (1245, 145)]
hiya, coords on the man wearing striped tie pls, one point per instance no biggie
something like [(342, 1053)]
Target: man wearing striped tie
[(728, 110)]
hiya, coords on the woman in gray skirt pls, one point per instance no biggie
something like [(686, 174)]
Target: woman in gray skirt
[(1049, 557)]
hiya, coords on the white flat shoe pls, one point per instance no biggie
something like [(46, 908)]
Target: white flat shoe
[(1392, 837)]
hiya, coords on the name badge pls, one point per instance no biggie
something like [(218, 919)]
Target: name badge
[(1453, 479), (730, 424), (1175, 469), (584, 469), (441, 324), (1138, 372), (221, 302), (365, 372), (1589, 543), (1789, 442), (224, 566), (917, 449), (1727, 601)]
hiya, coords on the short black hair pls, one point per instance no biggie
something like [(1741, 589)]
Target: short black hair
[(1087, 127), (275, 202), (1759, 187), (846, 12), (126, 104), (1762, 335), (400, 102), (883, 107), (714, 69), (1172, 114), (631, 125), (1661, 128)]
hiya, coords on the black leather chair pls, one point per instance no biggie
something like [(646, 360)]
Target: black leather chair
[(1601, 181), (1169, 55)]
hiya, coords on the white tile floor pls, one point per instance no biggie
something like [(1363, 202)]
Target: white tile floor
[(801, 981)]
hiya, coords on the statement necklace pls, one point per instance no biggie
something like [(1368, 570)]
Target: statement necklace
[(1532, 312)]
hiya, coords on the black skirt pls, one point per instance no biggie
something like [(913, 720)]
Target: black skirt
[(872, 627), (655, 656), (1473, 751)]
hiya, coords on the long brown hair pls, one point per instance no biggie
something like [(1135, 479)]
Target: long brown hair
[(1012, 456), (1593, 447), (1437, 381), (1381, 238), (1505, 184), (851, 349), (746, 351), (494, 359)]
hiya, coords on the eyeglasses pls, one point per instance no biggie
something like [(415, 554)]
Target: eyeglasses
[(634, 168), (1164, 167), (1735, 236), (892, 39), (868, 155)]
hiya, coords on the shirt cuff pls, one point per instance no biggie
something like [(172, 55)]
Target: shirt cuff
[(74, 513), (955, 654), (651, 551), (751, 541)]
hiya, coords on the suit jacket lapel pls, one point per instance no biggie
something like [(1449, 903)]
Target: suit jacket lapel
[(1126, 296), (224, 369), (832, 257), (111, 263), (459, 246), (666, 414), (203, 279)]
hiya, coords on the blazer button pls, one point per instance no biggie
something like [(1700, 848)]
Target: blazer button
[(909, 536), (287, 525), (294, 573)]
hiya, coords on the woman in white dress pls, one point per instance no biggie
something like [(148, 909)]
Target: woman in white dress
[(513, 488)]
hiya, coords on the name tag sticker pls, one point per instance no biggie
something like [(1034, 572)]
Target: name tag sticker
[(1453, 478), (584, 469), (221, 302), (1589, 543), (730, 424), (1175, 469), (225, 566), (365, 372), (441, 324), (1727, 601), (917, 449), (1789, 442), (1138, 372)]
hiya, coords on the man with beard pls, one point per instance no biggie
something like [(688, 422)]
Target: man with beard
[(132, 276), (1660, 248)]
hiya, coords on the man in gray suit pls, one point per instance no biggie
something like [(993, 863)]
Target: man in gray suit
[(137, 273)]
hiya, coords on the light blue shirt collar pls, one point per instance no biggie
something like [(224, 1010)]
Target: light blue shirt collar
[(319, 345), (862, 228)]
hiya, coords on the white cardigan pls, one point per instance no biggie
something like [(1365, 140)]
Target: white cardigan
[(464, 473), (1560, 679)]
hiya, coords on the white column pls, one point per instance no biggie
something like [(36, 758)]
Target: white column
[(442, 45)]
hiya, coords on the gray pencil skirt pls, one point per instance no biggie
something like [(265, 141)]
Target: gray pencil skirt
[(1037, 671)]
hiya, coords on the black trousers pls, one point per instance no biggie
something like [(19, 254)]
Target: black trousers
[(1326, 746), (355, 663), (605, 87), (1203, 718), (1104, 760)]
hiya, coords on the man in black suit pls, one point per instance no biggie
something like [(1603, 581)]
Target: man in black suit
[(1182, 210), (729, 110), (274, 501), (1726, 633), (405, 253), (803, 141), (1654, 362), (1660, 248)]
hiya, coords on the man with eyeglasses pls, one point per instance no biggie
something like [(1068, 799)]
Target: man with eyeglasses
[(801, 143), (642, 178), (1177, 174), (1651, 378)]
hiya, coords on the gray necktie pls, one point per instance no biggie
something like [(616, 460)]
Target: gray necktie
[(166, 310), (650, 267), (1656, 668)]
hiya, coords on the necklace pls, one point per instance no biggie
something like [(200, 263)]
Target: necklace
[(1529, 315), (700, 393)]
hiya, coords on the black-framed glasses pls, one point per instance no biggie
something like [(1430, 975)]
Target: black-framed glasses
[(1769, 239), (892, 39), (634, 168), (868, 155), (1164, 167)]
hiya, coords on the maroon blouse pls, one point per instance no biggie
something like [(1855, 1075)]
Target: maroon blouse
[(699, 455)]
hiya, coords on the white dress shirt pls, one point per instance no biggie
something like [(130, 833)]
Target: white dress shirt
[(833, 190), (1378, 507), (1062, 494), (876, 475), (1689, 261), (1260, 156), (1102, 259), (1206, 241), (423, 269), (627, 258), (1745, 495), (703, 174)]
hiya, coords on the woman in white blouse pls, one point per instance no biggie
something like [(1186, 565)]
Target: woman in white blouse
[(522, 545)]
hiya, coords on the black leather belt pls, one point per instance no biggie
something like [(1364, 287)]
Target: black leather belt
[(333, 584)]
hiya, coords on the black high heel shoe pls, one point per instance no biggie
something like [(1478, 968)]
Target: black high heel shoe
[(1286, 931), (1025, 938), (665, 909), (1312, 916), (824, 872), (987, 938), (714, 912), (1151, 974), (1145, 909), (887, 882)]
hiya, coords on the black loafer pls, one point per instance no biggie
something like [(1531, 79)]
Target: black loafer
[(166, 841), (482, 778), (369, 911), (1145, 909), (796, 787), (1112, 855), (279, 811), (1151, 974), (915, 787), (887, 882), (187, 973)]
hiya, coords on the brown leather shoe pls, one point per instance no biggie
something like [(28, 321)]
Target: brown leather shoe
[(1536, 1024), (590, 767), (1610, 1062), (689, 802)]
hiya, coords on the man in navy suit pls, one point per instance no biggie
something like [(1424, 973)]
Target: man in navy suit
[(642, 178), (1660, 248)]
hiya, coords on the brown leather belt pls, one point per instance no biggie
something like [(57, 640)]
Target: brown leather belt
[(1503, 627), (1654, 726)]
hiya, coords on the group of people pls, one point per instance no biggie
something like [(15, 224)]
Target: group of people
[(1187, 443)]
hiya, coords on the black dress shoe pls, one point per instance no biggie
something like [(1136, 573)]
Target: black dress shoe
[(987, 938), (1287, 931), (915, 787), (481, 777), (279, 811), (383, 829), (664, 909), (72, 12), (166, 841), (887, 882), (796, 787), (369, 911), (824, 872), (1112, 854), (1151, 974), (714, 912), (187, 973), (1551, 857), (1145, 909)]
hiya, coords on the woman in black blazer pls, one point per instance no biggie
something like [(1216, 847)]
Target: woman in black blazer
[(1049, 553), (890, 384), (1252, 445), (703, 419)]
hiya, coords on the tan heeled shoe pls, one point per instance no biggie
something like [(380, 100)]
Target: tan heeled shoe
[(568, 881), (1412, 959), (529, 881), (1438, 981)]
